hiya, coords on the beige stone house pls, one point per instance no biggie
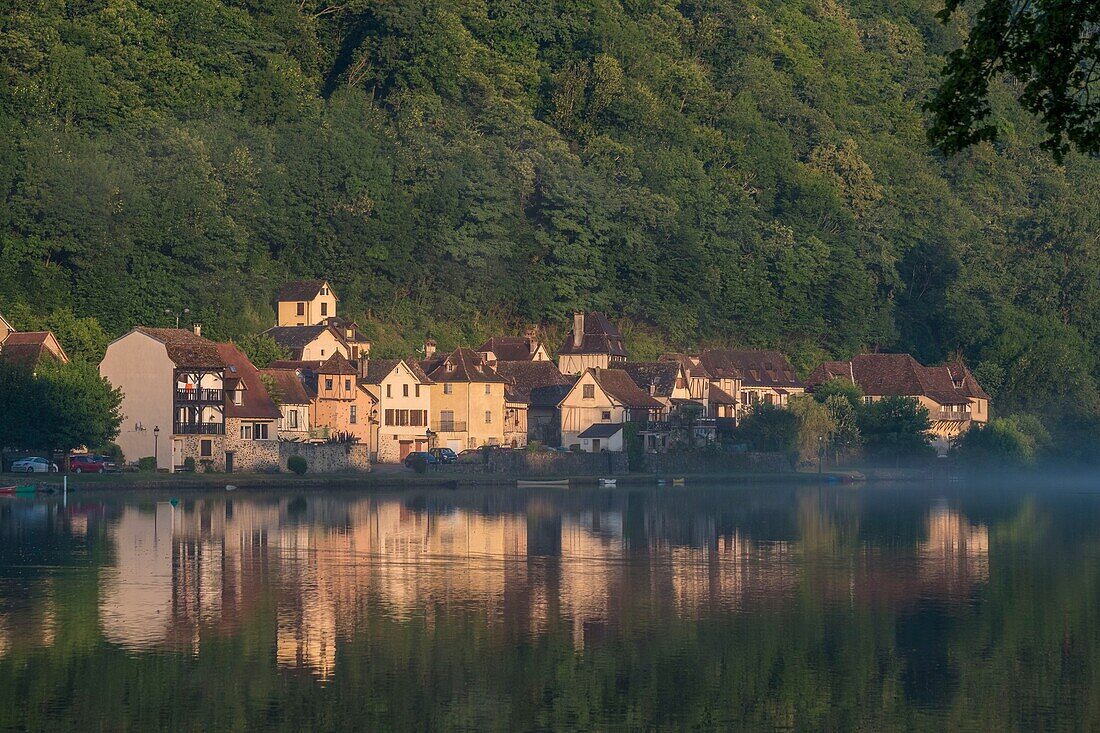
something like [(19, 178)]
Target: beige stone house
[(694, 383), (173, 384), (341, 403), (403, 395), (749, 377), (309, 327), (598, 406), (515, 348), (295, 399), (305, 303), (251, 416), (594, 341), (952, 396), (468, 400), (309, 343)]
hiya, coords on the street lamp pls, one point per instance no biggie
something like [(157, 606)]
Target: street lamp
[(169, 311), (156, 441)]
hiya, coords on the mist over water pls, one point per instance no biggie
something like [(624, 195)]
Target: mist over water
[(713, 607)]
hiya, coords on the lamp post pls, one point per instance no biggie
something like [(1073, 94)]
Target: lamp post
[(156, 442), (169, 311)]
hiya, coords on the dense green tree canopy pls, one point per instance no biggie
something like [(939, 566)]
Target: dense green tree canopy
[(709, 171)]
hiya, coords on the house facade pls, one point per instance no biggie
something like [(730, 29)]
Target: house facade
[(594, 342), (305, 303), (750, 377), (308, 326), (295, 400), (468, 400), (251, 416), (342, 404), (596, 409), (949, 392), (527, 406), (401, 417), (515, 348), (309, 343), (29, 348), (5, 328), (670, 383), (173, 396)]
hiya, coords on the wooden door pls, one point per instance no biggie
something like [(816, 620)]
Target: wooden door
[(406, 448)]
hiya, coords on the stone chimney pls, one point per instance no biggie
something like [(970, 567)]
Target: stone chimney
[(197, 328), (529, 335), (429, 349), (578, 329)]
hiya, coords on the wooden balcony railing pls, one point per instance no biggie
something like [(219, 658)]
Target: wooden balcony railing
[(200, 395), (449, 426), (199, 428)]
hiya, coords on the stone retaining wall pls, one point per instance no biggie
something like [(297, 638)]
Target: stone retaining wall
[(716, 462), (541, 463), (326, 457)]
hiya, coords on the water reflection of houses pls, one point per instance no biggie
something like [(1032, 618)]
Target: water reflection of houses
[(319, 565)]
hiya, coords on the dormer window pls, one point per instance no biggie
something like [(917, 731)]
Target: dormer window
[(450, 367), (324, 291)]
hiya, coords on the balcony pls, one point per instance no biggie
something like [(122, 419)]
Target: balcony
[(199, 428), (200, 395), (449, 426), (935, 415)]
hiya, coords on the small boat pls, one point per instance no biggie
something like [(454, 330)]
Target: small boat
[(536, 484), (7, 489), (677, 482), (230, 487), (608, 481)]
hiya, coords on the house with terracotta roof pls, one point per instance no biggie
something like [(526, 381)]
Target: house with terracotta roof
[(695, 386), (305, 303), (400, 419), (309, 343), (515, 348), (308, 326), (598, 406), (251, 415), (522, 421), (468, 400), (173, 384), (670, 382), (291, 392), (743, 378), (594, 341), (5, 328), (28, 348), (949, 392)]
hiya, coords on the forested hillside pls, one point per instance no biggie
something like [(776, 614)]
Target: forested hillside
[(713, 171)]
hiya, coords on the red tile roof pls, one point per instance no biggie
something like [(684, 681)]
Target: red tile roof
[(256, 402), (300, 290), (755, 368), (900, 375), (289, 387), (510, 348), (337, 364), (619, 386), (461, 365), (27, 349), (185, 348)]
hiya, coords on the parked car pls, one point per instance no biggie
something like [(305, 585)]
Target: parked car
[(33, 465), (91, 464), (418, 456), (444, 455)]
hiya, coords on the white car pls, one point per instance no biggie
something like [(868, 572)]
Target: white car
[(33, 465)]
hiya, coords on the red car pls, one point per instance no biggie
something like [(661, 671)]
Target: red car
[(90, 464)]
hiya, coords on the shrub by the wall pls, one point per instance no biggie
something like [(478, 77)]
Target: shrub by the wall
[(297, 464)]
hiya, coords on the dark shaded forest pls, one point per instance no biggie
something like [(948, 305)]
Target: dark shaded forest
[(709, 171)]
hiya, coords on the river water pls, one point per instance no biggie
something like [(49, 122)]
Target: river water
[(705, 608)]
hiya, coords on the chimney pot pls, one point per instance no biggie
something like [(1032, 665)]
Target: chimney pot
[(197, 328), (429, 349)]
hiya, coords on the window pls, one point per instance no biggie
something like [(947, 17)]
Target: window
[(606, 416), (322, 352), (488, 389), (389, 390), (389, 417), (259, 431), (292, 419), (588, 391), (328, 383), (488, 416), (418, 390), (354, 417), (347, 384), (448, 388), (301, 309), (246, 432), (324, 290), (405, 390), (324, 309), (205, 448)]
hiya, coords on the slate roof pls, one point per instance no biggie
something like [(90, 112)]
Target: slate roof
[(550, 396), (337, 364), (289, 386), (27, 349), (830, 370), (720, 396), (660, 374), (185, 348), (524, 376), (691, 364), (510, 348), (600, 430), (601, 336), (755, 368), (468, 366), (619, 386), (378, 369), (296, 338), (256, 403), (304, 365), (341, 325), (300, 290)]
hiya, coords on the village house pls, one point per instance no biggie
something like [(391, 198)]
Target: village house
[(342, 405), (594, 341), (295, 399), (524, 421), (597, 407), (695, 386), (308, 326), (515, 348), (173, 396), (754, 376), (29, 348), (952, 396), (403, 404), (669, 382), (468, 399), (5, 328), (251, 415)]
